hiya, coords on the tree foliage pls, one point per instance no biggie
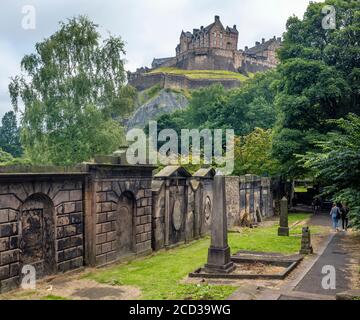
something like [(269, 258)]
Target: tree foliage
[(318, 79), (241, 109), (253, 154), (246, 110), (10, 135), (6, 159), (337, 163), (72, 87)]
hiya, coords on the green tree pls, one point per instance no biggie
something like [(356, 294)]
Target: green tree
[(319, 79), (5, 158), (252, 105), (337, 163), (10, 135), (253, 154), (73, 87), (241, 109)]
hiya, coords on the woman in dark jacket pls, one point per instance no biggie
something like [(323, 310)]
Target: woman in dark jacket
[(345, 216)]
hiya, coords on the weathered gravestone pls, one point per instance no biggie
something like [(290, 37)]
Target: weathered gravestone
[(284, 223), (219, 260), (306, 247)]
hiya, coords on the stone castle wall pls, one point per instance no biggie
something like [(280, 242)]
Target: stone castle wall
[(254, 65), (145, 81), (59, 220), (209, 59)]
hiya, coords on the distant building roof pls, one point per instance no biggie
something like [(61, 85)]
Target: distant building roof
[(202, 30), (262, 46)]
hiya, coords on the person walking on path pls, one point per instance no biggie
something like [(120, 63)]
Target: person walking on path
[(335, 216), (316, 205), (345, 216)]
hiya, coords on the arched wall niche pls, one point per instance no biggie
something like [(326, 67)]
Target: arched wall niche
[(37, 234), (125, 224)]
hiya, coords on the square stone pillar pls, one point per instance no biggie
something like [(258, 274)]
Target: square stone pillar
[(306, 247), (284, 224), (219, 252)]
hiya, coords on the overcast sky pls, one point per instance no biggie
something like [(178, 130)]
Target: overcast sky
[(150, 28)]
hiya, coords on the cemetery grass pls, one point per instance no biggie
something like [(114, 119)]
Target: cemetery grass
[(159, 276)]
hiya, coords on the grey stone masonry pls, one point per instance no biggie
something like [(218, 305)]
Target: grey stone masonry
[(249, 199), (182, 206), (62, 218), (55, 203), (219, 252), (284, 224), (121, 229), (306, 247)]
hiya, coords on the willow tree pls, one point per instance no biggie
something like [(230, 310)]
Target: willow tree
[(72, 88)]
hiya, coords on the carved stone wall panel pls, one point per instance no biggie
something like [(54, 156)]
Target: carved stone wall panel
[(41, 224)]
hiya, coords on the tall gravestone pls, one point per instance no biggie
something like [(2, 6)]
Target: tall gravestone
[(284, 224), (219, 252)]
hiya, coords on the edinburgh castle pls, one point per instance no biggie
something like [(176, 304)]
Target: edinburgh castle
[(209, 48)]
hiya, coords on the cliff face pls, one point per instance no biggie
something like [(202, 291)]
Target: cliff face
[(143, 81), (165, 101)]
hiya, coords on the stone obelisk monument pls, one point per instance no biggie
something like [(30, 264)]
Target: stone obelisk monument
[(219, 252), (284, 224)]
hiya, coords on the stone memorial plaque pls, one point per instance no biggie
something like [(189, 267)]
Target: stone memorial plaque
[(177, 216), (207, 210)]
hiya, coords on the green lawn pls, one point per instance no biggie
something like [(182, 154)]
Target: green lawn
[(52, 297), (202, 74), (301, 189), (158, 276)]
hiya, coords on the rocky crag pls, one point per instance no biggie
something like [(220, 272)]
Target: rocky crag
[(165, 101)]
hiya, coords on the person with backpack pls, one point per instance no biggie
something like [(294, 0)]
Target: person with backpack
[(345, 216), (335, 216)]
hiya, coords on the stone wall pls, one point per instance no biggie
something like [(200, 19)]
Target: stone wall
[(254, 65), (59, 219), (120, 223), (209, 59), (182, 206), (144, 81), (233, 201), (41, 223), (249, 199)]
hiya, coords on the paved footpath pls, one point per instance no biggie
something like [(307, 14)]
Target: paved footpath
[(307, 284), (334, 254)]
